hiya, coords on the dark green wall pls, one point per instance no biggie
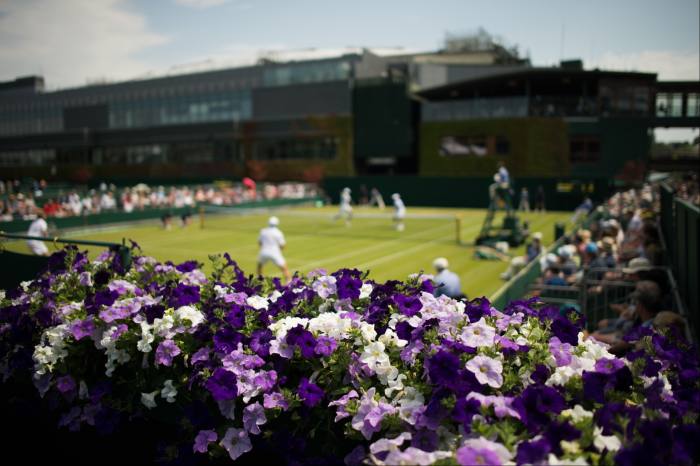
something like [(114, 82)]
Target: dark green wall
[(383, 120), (624, 146), (471, 192)]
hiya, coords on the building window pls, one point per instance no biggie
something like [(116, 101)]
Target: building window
[(584, 149), (474, 146), (296, 149)]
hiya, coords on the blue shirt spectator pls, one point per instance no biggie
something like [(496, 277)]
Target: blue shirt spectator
[(446, 282)]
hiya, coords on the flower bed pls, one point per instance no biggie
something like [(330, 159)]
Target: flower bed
[(336, 368)]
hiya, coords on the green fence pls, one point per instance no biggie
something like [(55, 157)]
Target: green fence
[(106, 218), (680, 228), (686, 259), (472, 192), (17, 267)]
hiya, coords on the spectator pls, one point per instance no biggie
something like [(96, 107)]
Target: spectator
[(646, 300), (447, 282), (533, 250)]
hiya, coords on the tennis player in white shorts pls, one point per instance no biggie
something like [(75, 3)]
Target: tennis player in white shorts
[(271, 241), (399, 211)]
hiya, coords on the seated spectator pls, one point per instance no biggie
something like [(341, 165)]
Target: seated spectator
[(582, 210), (553, 276), (518, 263), (646, 300), (446, 282)]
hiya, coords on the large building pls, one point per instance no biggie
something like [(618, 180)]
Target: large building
[(276, 119), (455, 112)]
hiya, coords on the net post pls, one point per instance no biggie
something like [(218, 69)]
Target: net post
[(201, 217), (458, 227)]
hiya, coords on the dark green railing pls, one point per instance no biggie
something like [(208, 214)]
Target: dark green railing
[(16, 268)]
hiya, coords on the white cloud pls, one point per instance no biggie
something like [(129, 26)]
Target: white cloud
[(201, 3), (669, 65), (69, 42)]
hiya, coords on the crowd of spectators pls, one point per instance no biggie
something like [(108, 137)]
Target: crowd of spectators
[(21, 201), (619, 252)]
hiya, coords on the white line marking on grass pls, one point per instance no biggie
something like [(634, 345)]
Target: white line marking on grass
[(398, 254), (380, 245)]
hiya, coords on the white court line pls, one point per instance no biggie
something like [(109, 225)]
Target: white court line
[(401, 253), (355, 252)]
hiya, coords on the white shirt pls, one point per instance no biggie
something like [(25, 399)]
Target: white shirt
[(399, 206), (345, 199), (271, 238), (38, 228)]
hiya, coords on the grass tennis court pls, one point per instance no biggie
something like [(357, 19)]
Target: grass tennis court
[(315, 240)]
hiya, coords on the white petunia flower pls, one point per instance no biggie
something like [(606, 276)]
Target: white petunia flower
[(257, 302), (605, 442), (374, 355), (169, 391), (191, 314), (144, 344), (365, 290), (149, 399), (577, 413)]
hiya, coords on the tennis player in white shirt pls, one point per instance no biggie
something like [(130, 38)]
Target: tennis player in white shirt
[(345, 211), (271, 241), (38, 228)]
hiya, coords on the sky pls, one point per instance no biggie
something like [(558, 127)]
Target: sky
[(71, 42)]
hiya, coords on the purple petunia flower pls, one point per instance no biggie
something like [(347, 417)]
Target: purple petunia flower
[(236, 442), (253, 418), (565, 330), (342, 403), (222, 385), (235, 317), (166, 351), (560, 351), (82, 328), (532, 452), (184, 295), (302, 339), (348, 287), (203, 439), (488, 371), (260, 342), (202, 355), (536, 404), (65, 384), (325, 286), (469, 456), (609, 366), (442, 367), (275, 400), (408, 305), (325, 346), (310, 393)]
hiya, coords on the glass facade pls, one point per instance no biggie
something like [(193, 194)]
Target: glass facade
[(496, 107), (305, 73), (196, 108), (187, 99)]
